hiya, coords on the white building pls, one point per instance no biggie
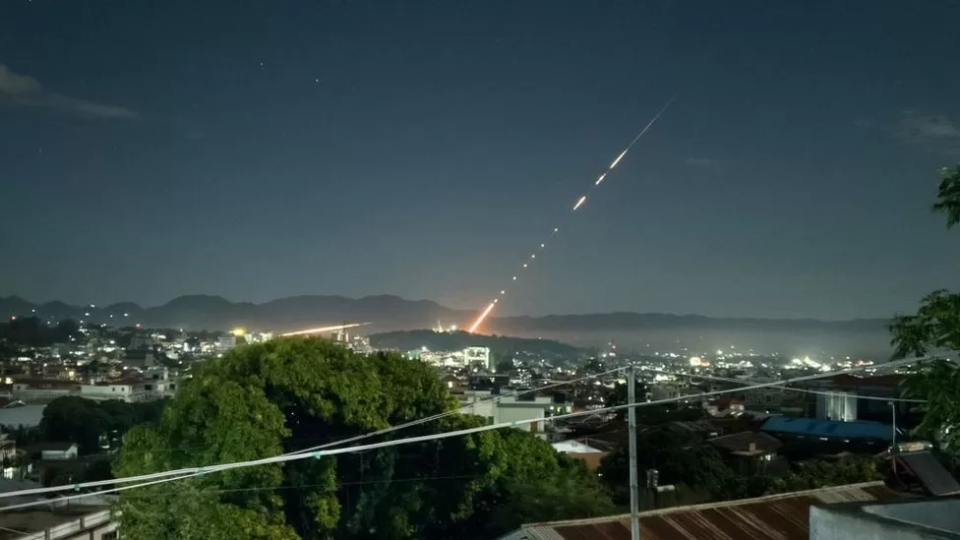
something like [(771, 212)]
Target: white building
[(227, 342), (42, 523), (38, 389), (59, 451), (129, 390), (480, 355), (502, 409)]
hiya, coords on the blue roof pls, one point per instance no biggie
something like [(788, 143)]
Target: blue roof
[(829, 428)]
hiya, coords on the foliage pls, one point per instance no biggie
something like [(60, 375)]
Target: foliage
[(680, 459), (937, 382), (701, 474), (935, 326), (948, 196), (289, 394), (31, 331), (816, 474), (84, 421)]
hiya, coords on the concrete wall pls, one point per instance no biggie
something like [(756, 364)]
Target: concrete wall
[(941, 514), (844, 522)]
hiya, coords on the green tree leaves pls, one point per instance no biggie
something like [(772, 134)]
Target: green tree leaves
[(948, 195), (935, 326), (290, 394)]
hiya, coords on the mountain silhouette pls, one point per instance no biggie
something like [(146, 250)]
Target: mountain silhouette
[(387, 313)]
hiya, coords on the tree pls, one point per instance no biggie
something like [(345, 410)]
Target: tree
[(289, 394), (84, 421), (935, 326), (679, 458), (948, 197)]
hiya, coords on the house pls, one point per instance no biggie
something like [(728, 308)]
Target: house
[(507, 408), (785, 516), (748, 451), (43, 389), (841, 397), (58, 451), (67, 522), (129, 389), (581, 450)]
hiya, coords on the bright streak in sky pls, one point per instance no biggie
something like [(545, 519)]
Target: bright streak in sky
[(323, 329), (602, 176), (580, 202), (479, 321), (614, 164)]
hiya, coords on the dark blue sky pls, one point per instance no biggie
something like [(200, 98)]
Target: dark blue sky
[(263, 149)]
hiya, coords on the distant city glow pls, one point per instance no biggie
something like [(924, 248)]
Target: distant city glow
[(323, 329)]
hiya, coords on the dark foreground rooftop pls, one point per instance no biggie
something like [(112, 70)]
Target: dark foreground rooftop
[(775, 517)]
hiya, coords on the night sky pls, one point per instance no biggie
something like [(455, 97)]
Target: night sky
[(256, 150)]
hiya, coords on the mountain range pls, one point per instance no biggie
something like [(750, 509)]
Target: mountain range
[(390, 313)]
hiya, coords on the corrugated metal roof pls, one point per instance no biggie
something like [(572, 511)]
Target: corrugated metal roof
[(776, 517), (828, 428)]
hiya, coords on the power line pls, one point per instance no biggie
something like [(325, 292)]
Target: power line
[(187, 471)]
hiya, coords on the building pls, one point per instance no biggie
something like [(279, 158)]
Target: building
[(227, 342), (909, 519), (509, 408), (479, 355), (43, 389), (748, 451), (58, 451), (130, 390), (787, 516), (580, 450), (75, 522), (843, 399)]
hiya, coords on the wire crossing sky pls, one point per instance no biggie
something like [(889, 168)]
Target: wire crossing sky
[(580, 202)]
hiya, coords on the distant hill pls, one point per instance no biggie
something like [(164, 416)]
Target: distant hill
[(391, 313), (199, 312)]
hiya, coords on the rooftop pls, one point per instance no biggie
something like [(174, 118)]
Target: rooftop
[(747, 442), (781, 517), (850, 381), (13, 524), (829, 428)]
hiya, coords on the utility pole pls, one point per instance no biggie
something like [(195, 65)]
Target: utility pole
[(893, 438), (632, 423)]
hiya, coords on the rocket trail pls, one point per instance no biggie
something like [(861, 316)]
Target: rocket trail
[(580, 202)]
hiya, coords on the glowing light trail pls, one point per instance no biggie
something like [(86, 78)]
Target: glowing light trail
[(486, 312), (323, 329), (580, 203)]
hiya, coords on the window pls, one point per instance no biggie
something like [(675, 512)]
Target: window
[(112, 535)]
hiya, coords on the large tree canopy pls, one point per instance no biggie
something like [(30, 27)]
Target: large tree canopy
[(935, 327), (291, 394)]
